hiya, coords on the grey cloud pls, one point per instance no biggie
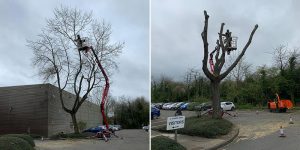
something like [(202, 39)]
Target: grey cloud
[(177, 27), (23, 20)]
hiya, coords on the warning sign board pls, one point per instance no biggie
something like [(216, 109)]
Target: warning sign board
[(176, 122)]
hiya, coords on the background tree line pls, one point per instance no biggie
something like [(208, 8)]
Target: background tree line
[(244, 85), (128, 112)]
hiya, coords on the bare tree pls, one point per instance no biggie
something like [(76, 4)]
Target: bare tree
[(193, 80), (223, 47), (109, 105), (241, 70), (59, 61), (281, 57), (188, 83)]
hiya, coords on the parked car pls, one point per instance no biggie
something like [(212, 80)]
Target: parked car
[(158, 105), (174, 106), (155, 112), (204, 106), (179, 104), (115, 127), (146, 128), (168, 107), (95, 129), (165, 105), (184, 106), (227, 106)]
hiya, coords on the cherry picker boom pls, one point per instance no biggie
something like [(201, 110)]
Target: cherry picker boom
[(83, 47)]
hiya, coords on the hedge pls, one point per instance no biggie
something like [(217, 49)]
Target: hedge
[(25, 137), (14, 143)]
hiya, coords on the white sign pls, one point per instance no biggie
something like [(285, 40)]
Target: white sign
[(175, 122)]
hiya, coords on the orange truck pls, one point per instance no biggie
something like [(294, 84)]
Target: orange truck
[(279, 105)]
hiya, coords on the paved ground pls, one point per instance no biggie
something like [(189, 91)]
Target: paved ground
[(260, 131), (128, 140)]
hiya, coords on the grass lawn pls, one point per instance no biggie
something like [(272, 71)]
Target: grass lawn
[(70, 136), (162, 142), (203, 127)]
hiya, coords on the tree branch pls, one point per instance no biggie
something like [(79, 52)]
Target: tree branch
[(223, 75), (205, 44)]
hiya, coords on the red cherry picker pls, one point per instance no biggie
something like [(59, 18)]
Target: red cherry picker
[(82, 46)]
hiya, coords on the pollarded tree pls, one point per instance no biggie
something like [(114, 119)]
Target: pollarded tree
[(224, 46), (59, 61)]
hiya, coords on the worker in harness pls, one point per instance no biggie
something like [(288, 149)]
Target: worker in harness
[(230, 45)]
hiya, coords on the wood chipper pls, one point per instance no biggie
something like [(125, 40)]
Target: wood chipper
[(83, 46), (279, 105)]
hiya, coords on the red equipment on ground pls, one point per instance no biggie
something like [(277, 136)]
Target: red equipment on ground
[(279, 105)]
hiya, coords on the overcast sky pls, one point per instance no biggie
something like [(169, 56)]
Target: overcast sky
[(177, 26), (23, 20)]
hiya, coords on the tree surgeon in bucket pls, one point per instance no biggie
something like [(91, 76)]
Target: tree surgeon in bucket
[(86, 48)]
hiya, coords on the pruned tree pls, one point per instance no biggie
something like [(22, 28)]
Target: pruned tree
[(59, 61), (241, 70), (223, 46)]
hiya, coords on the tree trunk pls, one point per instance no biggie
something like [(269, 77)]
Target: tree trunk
[(215, 89), (76, 129)]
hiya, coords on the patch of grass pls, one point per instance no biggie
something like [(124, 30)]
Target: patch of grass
[(162, 143), (14, 143), (68, 135), (249, 106), (25, 137), (203, 127), (296, 108), (35, 136), (75, 136), (246, 106)]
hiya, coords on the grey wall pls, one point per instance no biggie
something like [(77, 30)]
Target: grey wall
[(88, 112), (38, 107), (23, 107)]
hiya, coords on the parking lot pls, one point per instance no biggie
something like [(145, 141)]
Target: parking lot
[(134, 139), (256, 124), (259, 129)]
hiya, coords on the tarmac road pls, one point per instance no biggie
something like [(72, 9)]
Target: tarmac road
[(134, 139), (261, 131)]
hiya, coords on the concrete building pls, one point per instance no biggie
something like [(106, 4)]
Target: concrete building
[(37, 108)]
